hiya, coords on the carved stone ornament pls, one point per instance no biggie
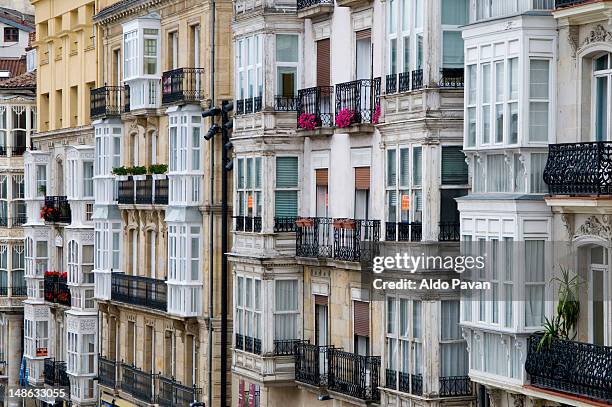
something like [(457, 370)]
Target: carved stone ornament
[(519, 400), (598, 34), (594, 227)]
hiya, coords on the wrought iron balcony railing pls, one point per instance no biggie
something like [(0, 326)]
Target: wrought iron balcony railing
[(248, 105), (302, 4), (391, 83), (312, 364), (452, 78), (56, 289), (284, 224), (579, 168), (56, 209), (417, 79), (183, 85), (285, 103), (449, 232), (403, 231), (138, 290), (361, 98), (286, 347), (137, 383), (3, 290), (580, 369), (569, 3), (107, 101), (18, 220), (315, 107), (455, 386), (19, 290), (342, 239), (247, 224), (107, 372), (171, 393), (354, 375), (145, 191), (247, 344), (404, 382), (403, 82), (8, 151), (55, 373), (398, 83)]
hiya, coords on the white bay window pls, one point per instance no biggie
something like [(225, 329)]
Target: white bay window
[(184, 276)]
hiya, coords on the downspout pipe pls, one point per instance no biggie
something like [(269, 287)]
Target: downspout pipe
[(211, 212)]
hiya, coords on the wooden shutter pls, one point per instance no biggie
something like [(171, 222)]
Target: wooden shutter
[(321, 176), (323, 62), (363, 34), (362, 178), (320, 299), (361, 318), (454, 168)]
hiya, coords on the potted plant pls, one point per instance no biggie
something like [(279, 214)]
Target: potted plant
[(138, 173), (158, 171), (49, 213), (121, 173), (338, 223), (345, 118), (348, 224), (304, 222), (376, 116), (307, 121)]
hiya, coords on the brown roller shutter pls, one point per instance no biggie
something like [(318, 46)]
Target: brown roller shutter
[(362, 178), (321, 175), (363, 34), (320, 299), (361, 318), (323, 63)]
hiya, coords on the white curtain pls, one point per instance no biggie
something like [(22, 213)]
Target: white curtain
[(497, 173), (285, 321), (538, 163)]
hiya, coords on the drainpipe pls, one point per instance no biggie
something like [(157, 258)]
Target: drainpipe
[(211, 213)]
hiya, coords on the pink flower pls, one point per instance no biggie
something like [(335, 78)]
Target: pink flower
[(345, 118), (307, 121), (376, 116)]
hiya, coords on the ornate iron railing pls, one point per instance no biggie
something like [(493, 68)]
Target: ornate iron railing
[(361, 97), (404, 382), (138, 290), (239, 106), (137, 383), (455, 386), (314, 237), (285, 103), (355, 240), (452, 78), (577, 368), (55, 288), (15, 151), (404, 82), (55, 373), (391, 83), (183, 85), (302, 4), (312, 364), (403, 231), (569, 3), (107, 101), (354, 375), (284, 224), (449, 232), (247, 224), (57, 209), (579, 168), (417, 79), (248, 344), (171, 393), (316, 102), (248, 105), (19, 290), (286, 347), (107, 372)]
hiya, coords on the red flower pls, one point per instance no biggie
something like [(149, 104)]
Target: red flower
[(345, 118), (376, 116), (307, 121)]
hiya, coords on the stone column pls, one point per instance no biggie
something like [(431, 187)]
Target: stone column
[(14, 351), (430, 341)]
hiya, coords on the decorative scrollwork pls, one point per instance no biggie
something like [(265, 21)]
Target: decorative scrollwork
[(594, 227)]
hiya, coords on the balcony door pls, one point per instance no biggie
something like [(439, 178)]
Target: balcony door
[(321, 179), (602, 93), (362, 192), (363, 54), (599, 304), (321, 328)]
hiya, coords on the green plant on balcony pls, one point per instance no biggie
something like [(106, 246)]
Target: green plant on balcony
[(563, 324), (140, 170), (120, 171), (158, 169)]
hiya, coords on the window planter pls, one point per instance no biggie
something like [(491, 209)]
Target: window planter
[(305, 222), (139, 177)]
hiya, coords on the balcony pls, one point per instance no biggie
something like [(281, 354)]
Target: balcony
[(358, 101), (144, 190), (314, 8), (452, 78), (312, 364), (56, 289), (107, 372), (250, 105), (404, 382), (340, 239), (284, 224), (136, 290), (247, 224), (455, 386), (286, 347), (285, 103), (107, 101), (449, 232), (570, 3), (55, 373), (56, 210), (579, 369), (183, 85), (171, 393), (18, 220), (248, 344), (315, 107), (354, 375), (137, 383), (579, 168), (403, 231)]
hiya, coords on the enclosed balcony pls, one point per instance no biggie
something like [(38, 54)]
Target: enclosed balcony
[(56, 210), (56, 289), (143, 190), (107, 101), (137, 383), (579, 168), (137, 290), (183, 85), (315, 107), (314, 8), (172, 393), (55, 373), (357, 102), (107, 372), (575, 368)]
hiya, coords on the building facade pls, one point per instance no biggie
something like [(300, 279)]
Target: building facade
[(160, 319)]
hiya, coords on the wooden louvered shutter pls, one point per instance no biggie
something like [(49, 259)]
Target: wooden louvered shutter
[(323, 62), (320, 299), (361, 318), (363, 34), (362, 178), (321, 177)]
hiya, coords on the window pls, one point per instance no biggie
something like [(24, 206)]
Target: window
[(513, 100), (41, 180), (454, 168), (287, 51), (286, 309), (403, 184), (404, 35), (249, 66), (539, 95), (286, 194), (11, 34), (248, 310), (173, 50), (538, 163), (471, 106), (454, 14), (3, 200), (486, 104), (498, 179), (18, 282), (130, 54), (88, 179), (249, 188), (499, 102), (150, 51), (453, 352), (184, 253), (3, 270), (404, 344), (534, 282)]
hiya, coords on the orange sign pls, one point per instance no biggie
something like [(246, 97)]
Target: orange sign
[(405, 202), (42, 352), (250, 202)]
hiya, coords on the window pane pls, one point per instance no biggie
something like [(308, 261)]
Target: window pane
[(455, 12), (391, 168), (453, 49), (538, 75), (286, 172), (454, 168), (286, 48)]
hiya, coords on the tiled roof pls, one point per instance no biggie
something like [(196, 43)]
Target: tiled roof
[(15, 66), (26, 80), (16, 19)]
